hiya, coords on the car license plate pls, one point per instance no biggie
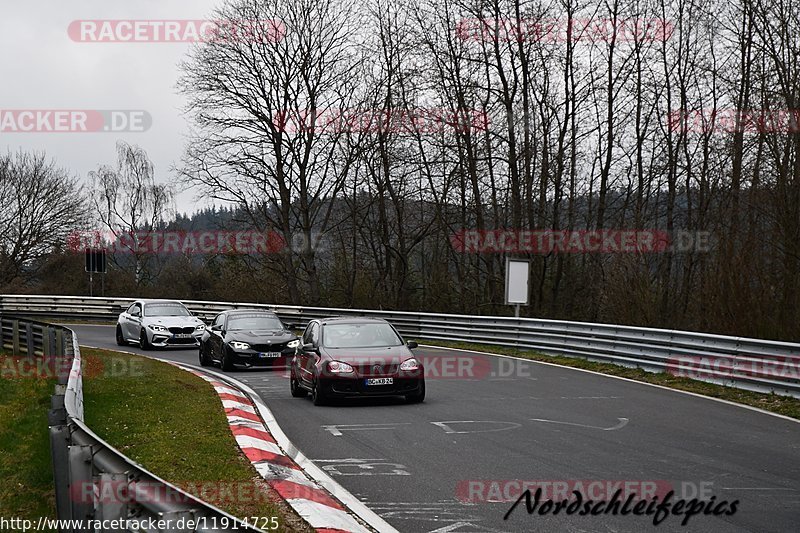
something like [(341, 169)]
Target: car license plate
[(269, 354), (182, 335), (380, 381)]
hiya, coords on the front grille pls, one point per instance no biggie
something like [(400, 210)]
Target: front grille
[(277, 347), (190, 340), (189, 329), (369, 370)]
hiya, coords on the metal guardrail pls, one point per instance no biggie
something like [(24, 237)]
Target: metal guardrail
[(95, 484), (752, 364)]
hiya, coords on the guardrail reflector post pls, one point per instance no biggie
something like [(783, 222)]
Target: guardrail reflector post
[(81, 485)]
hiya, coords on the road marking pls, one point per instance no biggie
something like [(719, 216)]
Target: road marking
[(363, 467), (458, 525), (622, 423), (446, 426), (336, 430)]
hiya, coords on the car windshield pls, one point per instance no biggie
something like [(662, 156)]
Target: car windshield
[(254, 322), (166, 310), (359, 336)]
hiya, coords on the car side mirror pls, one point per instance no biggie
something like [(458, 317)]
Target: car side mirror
[(216, 327), (412, 344), (309, 347), (136, 314)]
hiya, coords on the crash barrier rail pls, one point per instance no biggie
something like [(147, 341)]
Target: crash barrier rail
[(84, 464), (752, 364)]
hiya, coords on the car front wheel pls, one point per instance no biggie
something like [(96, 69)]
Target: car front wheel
[(204, 360), (317, 396), (227, 364), (144, 343), (418, 397), (296, 389), (120, 337)]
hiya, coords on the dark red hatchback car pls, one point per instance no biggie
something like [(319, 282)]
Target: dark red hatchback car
[(344, 357)]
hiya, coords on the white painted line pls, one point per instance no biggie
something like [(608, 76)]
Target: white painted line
[(336, 430), (622, 423), (662, 387), (447, 429)]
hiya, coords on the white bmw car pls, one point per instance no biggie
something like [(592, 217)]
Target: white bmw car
[(158, 324)]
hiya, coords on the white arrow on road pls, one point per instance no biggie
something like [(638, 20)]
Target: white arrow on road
[(622, 423)]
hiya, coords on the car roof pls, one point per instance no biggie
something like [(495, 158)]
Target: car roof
[(155, 301), (248, 312), (352, 320)]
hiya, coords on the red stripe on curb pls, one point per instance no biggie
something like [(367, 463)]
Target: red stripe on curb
[(242, 414), (255, 455), (252, 432), (234, 398), (289, 490)]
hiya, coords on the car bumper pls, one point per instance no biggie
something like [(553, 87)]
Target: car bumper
[(357, 387), (164, 340), (253, 359)]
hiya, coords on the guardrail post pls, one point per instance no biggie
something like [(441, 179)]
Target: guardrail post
[(29, 350), (60, 343), (59, 446), (110, 508), (46, 342), (51, 341), (81, 486), (15, 337)]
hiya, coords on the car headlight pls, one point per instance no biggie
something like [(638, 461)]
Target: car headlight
[(236, 345), (200, 327), (410, 364), (156, 327), (293, 344), (337, 367)]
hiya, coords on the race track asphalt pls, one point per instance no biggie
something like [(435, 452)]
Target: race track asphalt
[(422, 467)]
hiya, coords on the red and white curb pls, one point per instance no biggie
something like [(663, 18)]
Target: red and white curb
[(304, 486)]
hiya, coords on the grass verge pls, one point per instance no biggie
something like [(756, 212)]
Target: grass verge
[(26, 490), (775, 403), (173, 423)]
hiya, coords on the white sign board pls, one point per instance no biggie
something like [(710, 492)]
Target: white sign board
[(517, 274)]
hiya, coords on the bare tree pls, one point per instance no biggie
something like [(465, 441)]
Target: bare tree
[(40, 206), (131, 204)]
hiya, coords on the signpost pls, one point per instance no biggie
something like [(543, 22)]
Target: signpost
[(96, 263), (517, 277)]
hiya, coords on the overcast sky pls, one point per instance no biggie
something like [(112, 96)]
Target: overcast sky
[(43, 68)]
